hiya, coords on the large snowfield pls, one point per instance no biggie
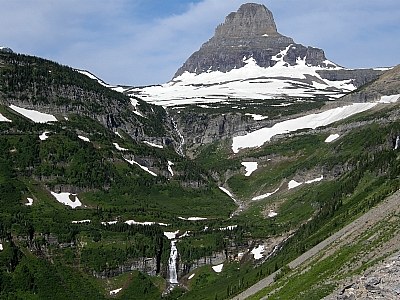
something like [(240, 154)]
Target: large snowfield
[(248, 82)]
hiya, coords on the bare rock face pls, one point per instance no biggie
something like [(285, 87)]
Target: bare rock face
[(249, 32)]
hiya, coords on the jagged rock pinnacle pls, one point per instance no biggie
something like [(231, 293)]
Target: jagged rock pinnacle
[(249, 32)]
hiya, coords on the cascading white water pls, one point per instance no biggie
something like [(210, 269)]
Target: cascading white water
[(173, 277)]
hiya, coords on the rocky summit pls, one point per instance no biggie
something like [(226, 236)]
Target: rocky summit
[(249, 32)]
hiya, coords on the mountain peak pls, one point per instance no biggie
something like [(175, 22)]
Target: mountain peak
[(250, 20)]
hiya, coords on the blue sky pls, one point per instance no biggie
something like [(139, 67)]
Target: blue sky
[(140, 42)]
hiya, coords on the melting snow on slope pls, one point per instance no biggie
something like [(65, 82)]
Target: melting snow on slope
[(153, 145), (30, 202), (34, 115), (263, 196), (81, 222), (331, 138), (272, 214), (114, 292), (250, 167), (169, 167), (258, 252), (133, 222), (259, 137), (256, 117), (226, 191), (389, 99), (4, 119), (293, 183), (192, 218), (119, 148), (218, 268), (44, 136), (132, 162), (65, 198), (83, 138)]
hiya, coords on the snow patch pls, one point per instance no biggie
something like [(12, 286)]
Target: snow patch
[(331, 138), (231, 227), (4, 119), (119, 148), (114, 292), (263, 196), (389, 99), (65, 198), (191, 276), (293, 184), (1, 247), (272, 214), (250, 167), (153, 145), (34, 115), (397, 144), (169, 167), (83, 138), (81, 221), (258, 137), (226, 191), (44, 136), (218, 268), (171, 234), (132, 162), (109, 223), (315, 180), (192, 218), (30, 202), (258, 252), (133, 222)]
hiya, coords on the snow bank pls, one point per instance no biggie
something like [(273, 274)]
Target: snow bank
[(257, 117), (250, 167), (293, 183), (34, 115), (133, 222), (218, 268), (30, 202), (65, 198), (263, 196), (4, 119), (132, 162), (272, 214), (258, 252), (169, 167), (153, 145), (44, 136), (81, 221), (389, 99), (192, 218), (83, 138), (259, 137), (171, 234), (119, 148), (331, 138), (114, 292)]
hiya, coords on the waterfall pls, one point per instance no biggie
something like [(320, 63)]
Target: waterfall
[(173, 277)]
